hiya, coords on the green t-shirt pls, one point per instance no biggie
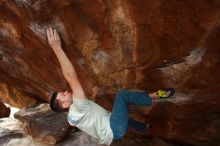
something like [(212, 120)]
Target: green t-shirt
[(92, 119)]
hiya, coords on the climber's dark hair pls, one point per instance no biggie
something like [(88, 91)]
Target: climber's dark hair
[(54, 104)]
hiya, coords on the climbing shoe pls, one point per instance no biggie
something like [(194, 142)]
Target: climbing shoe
[(165, 93)]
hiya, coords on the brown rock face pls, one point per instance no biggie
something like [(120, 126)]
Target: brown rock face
[(4, 111), (15, 97), (122, 44)]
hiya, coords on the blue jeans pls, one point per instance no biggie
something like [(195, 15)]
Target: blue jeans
[(119, 120)]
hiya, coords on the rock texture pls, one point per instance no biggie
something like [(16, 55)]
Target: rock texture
[(42, 124), (12, 134), (15, 97), (122, 44), (4, 111), (10, 129)]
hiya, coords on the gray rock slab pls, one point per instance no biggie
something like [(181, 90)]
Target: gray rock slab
[(43, 124)]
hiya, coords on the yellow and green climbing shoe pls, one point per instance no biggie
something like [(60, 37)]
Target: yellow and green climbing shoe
[(165, 93)]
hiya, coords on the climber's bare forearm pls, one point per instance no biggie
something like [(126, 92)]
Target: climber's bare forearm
[(66, 66)]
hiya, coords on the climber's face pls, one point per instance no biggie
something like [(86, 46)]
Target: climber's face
[(65, 99)]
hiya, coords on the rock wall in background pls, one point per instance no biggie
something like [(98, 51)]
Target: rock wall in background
[(14, 97), (132, 44)]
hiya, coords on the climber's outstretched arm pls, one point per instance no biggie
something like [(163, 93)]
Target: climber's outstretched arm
[(66, 66)]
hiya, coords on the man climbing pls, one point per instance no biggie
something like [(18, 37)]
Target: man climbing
[(88, 116)]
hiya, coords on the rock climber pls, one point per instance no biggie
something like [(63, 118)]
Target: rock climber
[(83, 113)]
